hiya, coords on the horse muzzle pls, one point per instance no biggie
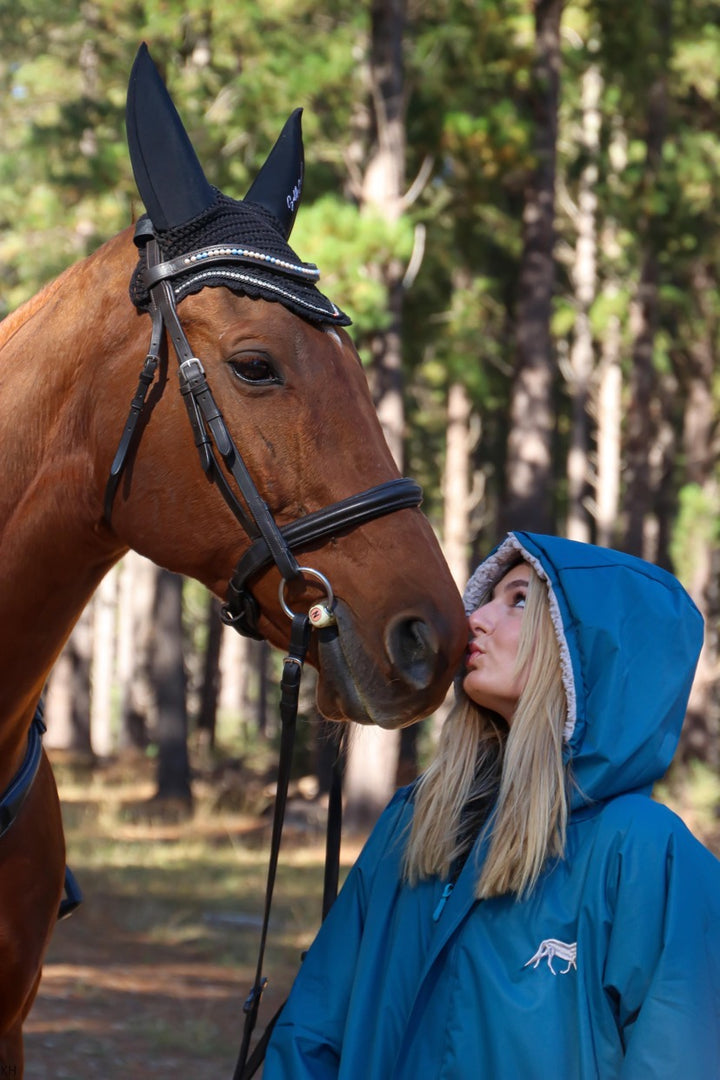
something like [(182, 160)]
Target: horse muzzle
[(396, 686)]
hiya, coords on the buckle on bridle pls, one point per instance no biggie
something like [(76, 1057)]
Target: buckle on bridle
[(252, 1001), (191, 370)]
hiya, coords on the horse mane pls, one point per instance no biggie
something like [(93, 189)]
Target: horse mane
[(27, 310)]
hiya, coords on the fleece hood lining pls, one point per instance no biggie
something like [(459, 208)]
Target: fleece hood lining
[(488, 574)]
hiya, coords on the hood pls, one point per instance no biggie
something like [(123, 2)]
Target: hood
[(629, 637)]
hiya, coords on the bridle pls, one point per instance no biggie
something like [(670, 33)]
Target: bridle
[(270, 543)]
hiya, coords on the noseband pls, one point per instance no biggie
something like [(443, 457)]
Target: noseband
[(270, 543)]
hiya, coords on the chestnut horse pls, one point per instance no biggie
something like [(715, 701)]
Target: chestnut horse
[(286, 380)]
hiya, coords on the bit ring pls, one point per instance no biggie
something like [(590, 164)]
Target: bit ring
[(320, 614)]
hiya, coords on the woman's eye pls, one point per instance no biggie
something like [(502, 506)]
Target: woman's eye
[(519, 600), (256, 370)]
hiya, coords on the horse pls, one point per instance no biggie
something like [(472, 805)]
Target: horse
[(98, 458)]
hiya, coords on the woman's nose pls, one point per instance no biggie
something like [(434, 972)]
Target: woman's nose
[(481, 619)]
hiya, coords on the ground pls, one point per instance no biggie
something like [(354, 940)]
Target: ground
[(113, 1005), (149, 976)]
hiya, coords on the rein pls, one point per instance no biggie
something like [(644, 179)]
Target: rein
[(290, 687)]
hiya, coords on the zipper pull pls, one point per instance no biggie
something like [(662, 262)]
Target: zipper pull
[(443, 900)]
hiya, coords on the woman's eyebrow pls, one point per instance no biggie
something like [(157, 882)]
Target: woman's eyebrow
[(509, 585)]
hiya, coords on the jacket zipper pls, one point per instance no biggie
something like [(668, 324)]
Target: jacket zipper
[(443, 901)]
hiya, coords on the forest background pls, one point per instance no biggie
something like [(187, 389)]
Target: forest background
[(516, 203)]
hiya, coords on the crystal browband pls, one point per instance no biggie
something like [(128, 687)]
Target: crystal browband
[(219, 253)]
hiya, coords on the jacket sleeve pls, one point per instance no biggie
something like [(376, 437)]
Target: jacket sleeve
[(662, 970), (308, 1036)]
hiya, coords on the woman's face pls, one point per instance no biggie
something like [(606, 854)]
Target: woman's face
[(491, 679)]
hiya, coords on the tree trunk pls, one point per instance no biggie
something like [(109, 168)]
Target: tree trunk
[(641, 431), (67, 701), (584, 279), (171, 725), (382, 191), (210, 689), (532, 412), (244, 672), (372, 759), (701, 732), (103, 664), (458, 502), (456, 484), (609, 413), (662, 466), (135, 635), (372, 763), (700, 738), (266, 724), (610, 377), (234, 670)]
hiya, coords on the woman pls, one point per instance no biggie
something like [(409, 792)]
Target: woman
[(526, 910)]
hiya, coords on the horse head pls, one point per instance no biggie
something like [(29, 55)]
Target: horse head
[(283, 423)]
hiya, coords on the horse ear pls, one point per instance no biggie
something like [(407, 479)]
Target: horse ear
[(278, 185), (168, 175)]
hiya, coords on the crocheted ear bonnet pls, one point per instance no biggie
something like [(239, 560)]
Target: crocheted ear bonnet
[(240, 244)]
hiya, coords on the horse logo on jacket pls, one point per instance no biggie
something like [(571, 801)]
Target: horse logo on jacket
[(551, 948)]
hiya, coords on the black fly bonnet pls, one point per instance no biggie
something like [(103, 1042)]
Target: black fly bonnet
[(208, 237)]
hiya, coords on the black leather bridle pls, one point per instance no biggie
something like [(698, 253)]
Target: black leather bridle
[(270, 543)]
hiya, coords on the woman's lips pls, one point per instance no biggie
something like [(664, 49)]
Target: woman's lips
[(473, 650)]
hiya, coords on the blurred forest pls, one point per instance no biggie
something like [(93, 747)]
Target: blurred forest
[(516, 202)]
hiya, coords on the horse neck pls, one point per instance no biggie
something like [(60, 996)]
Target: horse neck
[(53, 549)]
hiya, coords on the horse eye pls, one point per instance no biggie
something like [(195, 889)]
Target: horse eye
[(255, 370)]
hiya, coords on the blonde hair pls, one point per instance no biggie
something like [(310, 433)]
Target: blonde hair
[(510, 782)]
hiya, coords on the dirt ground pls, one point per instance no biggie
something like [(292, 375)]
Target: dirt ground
[(148, 977), (112, 1006)]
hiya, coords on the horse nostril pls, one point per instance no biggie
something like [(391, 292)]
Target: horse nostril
[(412, 645)]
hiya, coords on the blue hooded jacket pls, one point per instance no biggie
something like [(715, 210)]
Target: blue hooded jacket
[(610, 970)]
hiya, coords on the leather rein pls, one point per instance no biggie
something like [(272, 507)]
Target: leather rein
[(270, 543)]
